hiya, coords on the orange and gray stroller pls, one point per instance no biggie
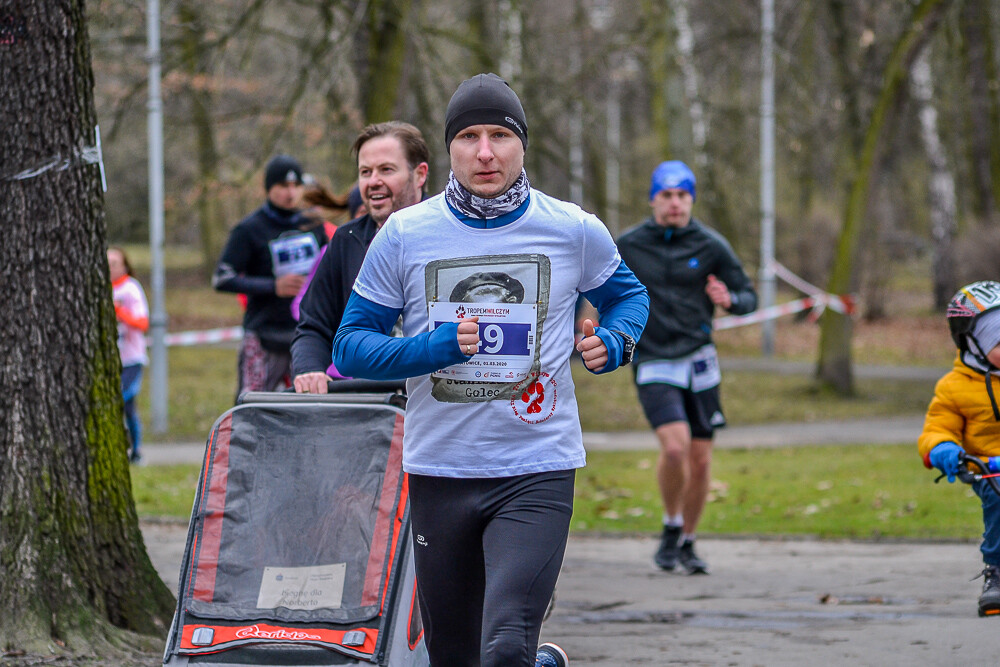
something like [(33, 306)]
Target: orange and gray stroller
[(299, 550)]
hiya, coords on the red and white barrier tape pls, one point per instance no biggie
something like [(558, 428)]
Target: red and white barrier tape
[(206, 337), (782, 272), (817, 300), (843, 304), (840, 304)]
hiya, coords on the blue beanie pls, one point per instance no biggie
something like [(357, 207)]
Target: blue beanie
[(672, 174)]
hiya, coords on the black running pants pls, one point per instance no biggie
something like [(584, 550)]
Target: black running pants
[(487, 555)]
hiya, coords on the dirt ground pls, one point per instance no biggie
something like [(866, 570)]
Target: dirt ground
[(766, 602)]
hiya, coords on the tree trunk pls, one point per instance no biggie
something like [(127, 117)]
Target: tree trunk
[(983, 112), (941, 190), (692, 90), (195, 61), (483, 49), (387, 48), (72, 562), (658, 71), (834, 367)]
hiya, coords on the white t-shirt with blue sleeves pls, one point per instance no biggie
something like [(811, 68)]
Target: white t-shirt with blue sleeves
[(511, 408)]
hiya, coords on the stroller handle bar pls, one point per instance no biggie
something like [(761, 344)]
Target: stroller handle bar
[(356, 386), (392, 392)]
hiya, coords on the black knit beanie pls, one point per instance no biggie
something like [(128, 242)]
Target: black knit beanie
[(282, 169), (485, 99)]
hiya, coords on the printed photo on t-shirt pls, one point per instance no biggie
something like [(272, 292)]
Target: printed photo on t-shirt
[(510, 296)]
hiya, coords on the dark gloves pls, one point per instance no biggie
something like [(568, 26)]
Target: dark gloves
[(944, 457)]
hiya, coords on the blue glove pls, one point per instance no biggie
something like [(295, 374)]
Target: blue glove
[(944, 457)]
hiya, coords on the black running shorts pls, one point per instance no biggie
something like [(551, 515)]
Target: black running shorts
[(664, 403)]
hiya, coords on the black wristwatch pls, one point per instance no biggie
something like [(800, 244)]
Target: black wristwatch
[(628, 347)]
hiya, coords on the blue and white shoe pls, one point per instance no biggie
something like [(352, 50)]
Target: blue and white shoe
[(550, 655)]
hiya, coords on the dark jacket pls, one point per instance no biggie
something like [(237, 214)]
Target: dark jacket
[(325, 299), (674, 265), (246, 267)]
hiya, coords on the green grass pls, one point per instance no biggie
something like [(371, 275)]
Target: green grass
[(836, 492), (857, 491), (165, 491), (201, 386)]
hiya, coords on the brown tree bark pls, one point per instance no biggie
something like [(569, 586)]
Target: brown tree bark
[(658, 68), (73, 568), (195, 57), (387, 21)]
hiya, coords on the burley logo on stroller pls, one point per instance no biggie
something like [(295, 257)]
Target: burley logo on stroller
[(299, 549)]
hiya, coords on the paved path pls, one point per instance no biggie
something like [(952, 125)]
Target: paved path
[(866, 430), (767, 602), (875, 430)]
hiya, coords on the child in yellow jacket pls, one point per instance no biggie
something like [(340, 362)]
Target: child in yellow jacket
[(964, 416)]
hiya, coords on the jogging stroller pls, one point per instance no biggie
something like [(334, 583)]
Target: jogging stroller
[(299, 550)]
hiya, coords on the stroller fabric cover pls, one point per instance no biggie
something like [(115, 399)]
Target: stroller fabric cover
[(299, 535)]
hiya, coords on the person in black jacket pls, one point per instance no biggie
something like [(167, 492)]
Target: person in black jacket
[(267, 257), (392, 171), (689, 270)]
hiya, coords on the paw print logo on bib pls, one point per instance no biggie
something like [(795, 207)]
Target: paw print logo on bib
[(534, 398)]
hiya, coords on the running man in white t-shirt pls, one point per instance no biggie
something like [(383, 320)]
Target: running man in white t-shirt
[(487, 276)]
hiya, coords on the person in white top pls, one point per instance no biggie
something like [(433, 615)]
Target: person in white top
[(486, 276), (132, 313)]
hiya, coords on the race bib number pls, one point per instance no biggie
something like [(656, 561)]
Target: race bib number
[(698, 371), (294, 254), (705, 372), (506, 334), (665, 371)]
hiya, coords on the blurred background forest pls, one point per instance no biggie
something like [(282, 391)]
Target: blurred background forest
[(610, 89)]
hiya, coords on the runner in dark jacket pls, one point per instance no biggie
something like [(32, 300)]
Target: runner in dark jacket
[(689, 271), (675, 271), (266, 258), (392, 171)]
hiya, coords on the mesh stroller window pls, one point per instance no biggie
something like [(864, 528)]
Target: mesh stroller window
[(295, 520)]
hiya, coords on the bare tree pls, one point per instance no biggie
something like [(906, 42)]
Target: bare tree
[(941, 189), (386, 56), (73, 569), (834, 367), (983, 109), (196, 58)]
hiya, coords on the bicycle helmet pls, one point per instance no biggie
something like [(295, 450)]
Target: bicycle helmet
[(965, 308), (968, 304)]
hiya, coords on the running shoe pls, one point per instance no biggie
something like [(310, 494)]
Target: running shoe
[(666, 555), (550, 655), (989, 601), (690, 561)]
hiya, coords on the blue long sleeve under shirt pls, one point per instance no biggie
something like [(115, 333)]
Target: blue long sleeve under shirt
[(363, 347)]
